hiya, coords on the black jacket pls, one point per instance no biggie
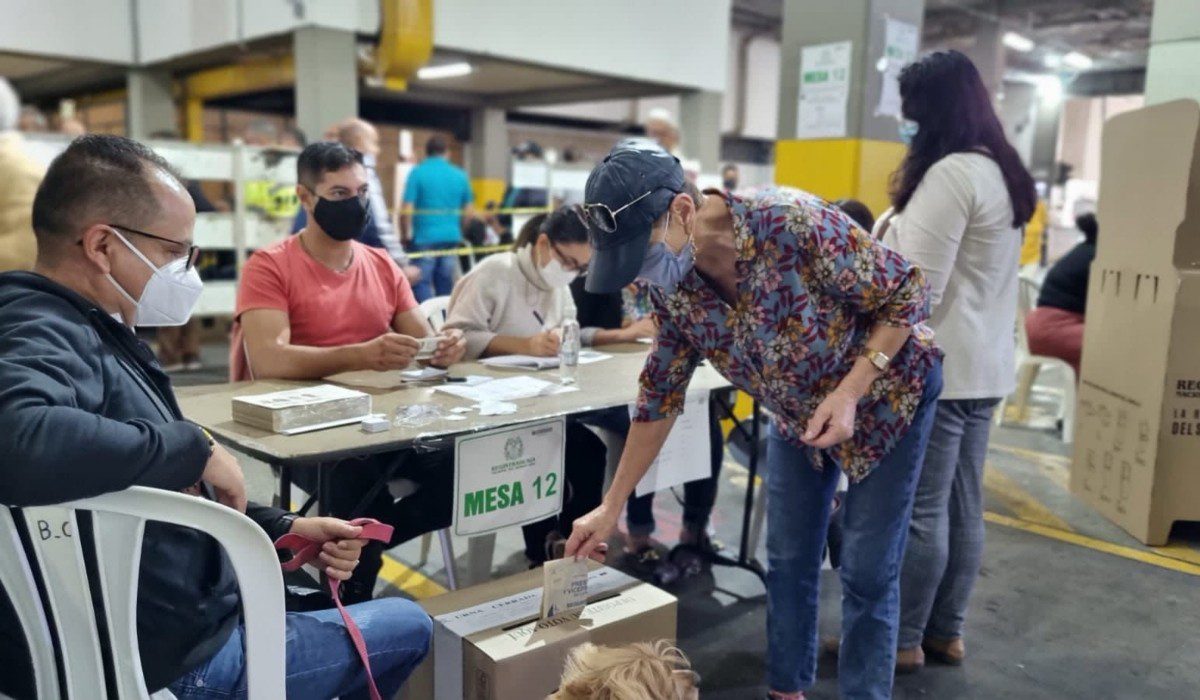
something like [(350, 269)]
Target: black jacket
[(85, 409), (1066, 284)]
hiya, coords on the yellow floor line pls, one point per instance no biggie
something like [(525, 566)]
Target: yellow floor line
[(1025, 506), (1096, 545), (1182, 552), (409, 580)]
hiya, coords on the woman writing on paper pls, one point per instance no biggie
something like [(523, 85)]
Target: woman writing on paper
[(511, 304)]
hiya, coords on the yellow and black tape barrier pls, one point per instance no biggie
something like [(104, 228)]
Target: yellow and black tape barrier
[(464, 250)]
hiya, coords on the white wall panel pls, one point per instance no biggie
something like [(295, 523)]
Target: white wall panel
[(95, 30), (675, 42)]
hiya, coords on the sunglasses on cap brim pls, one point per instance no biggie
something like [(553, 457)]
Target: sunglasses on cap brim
[(604, 217)]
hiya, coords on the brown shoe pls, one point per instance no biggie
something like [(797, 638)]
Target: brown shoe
[(951, 652), (909, 660), (831, 646)]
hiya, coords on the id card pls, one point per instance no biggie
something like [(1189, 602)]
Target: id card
[(428, 347), (564, 589)]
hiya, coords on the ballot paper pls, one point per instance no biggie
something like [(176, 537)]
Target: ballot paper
[(496, 408), (586, 357), (564, 587), (507, 389)]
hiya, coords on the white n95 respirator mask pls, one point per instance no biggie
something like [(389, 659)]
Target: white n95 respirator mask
[(170, 295)]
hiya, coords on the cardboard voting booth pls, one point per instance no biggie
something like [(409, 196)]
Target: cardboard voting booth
[(490, 645), (1138, 430)]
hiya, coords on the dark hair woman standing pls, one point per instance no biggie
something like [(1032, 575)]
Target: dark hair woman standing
[(960, 200)]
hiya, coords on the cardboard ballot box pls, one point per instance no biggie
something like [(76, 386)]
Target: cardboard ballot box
[(489, 645), (1137, 450)]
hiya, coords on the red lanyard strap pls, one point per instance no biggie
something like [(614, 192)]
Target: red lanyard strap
[(305, 550)]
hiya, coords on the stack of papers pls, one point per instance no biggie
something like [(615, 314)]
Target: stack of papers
[(297, 410), (507, 389), (530, 362), (520, 362)]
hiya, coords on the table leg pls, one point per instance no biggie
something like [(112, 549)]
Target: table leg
[(745, 559), (324, 489), (285, 487)]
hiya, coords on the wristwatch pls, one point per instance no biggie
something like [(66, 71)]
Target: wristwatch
[(879, 359)]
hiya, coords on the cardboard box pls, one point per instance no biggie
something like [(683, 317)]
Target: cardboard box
[(1137, 450), (513, 657)]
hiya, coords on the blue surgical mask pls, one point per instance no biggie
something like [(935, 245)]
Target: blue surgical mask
[(908, 131), (665, 269)]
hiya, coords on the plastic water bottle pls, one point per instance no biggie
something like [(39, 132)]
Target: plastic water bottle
[(568, 348)]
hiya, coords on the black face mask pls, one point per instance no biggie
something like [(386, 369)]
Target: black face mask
[(730, 184), (342, 219)]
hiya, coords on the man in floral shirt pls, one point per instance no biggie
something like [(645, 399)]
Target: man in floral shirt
[(797, 306)]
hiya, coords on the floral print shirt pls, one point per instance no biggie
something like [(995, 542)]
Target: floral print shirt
[(810, 286)]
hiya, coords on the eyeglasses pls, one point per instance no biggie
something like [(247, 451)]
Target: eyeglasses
[(573, 264), (193, 250), (604, 217)]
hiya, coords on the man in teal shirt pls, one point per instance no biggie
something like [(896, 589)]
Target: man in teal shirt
[(440, 187)]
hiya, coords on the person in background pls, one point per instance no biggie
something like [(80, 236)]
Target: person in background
[(513, 304), (442, 189), (524, 197), (1055, 327), (959, 201), (662, 128), (32, 121), (321, 303), (20, 175), (71, 126), (729, 176), (797, 306), (640, 671), (361, 136), (85, 410), (608, 311), (858, 212)]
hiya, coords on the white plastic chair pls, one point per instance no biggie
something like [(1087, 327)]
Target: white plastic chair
[(118, 522), (1028, 366), (480, 550), (435, 310)]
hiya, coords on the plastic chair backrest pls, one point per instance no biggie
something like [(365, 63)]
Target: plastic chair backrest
[(1027, 294), (118, 521), (435, 309)]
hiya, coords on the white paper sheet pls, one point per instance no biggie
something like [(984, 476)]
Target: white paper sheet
[(686, 455), (520, 362), (507, 389), (586, 357), (900, 47), (824, 90)]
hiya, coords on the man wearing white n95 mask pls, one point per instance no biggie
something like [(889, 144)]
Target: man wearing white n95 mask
[(86, 410)]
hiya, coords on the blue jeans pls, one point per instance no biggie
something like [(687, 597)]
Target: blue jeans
[(945, 539), (321, 660), (437, 272), (876, 513)]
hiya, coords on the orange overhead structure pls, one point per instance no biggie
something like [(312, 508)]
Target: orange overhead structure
[(405, 40)]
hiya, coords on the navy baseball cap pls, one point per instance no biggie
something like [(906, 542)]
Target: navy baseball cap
[(624, 195)]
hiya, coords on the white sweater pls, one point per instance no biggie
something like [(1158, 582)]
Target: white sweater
[(499, 297), (958, 229)]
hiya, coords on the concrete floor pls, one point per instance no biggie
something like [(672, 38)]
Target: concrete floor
[(1062, 609)]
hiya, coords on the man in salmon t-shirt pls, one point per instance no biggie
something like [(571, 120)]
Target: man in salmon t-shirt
[(319, 303)]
